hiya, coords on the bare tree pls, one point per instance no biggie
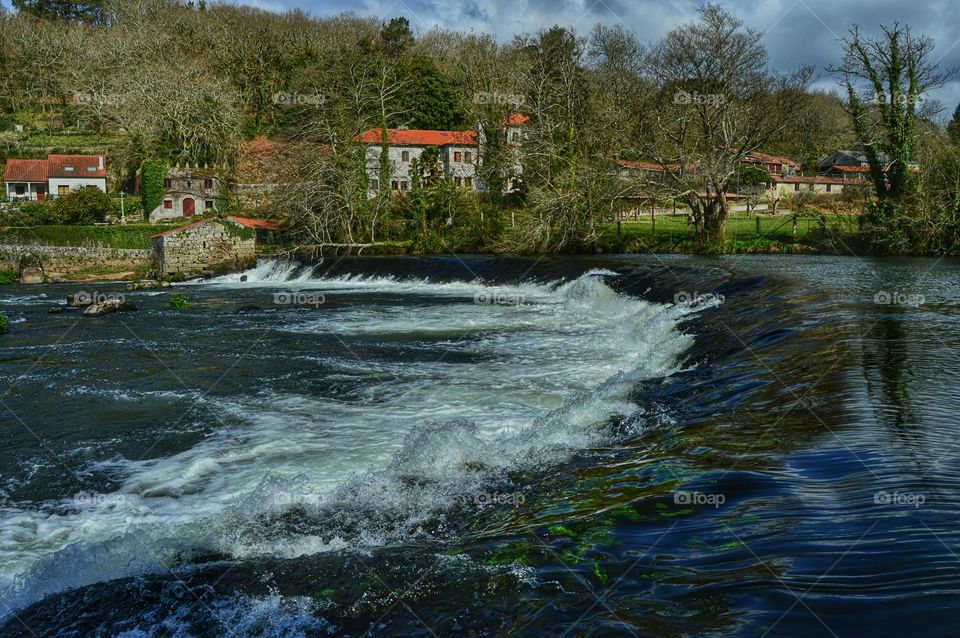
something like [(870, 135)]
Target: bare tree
[(713, 102)]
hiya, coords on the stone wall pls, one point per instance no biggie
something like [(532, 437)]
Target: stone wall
[(192, 250), (63, 260)]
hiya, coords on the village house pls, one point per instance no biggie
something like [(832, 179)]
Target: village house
[(188, 191), (58, 175), (460, 154), (209, 242), (853, 165)]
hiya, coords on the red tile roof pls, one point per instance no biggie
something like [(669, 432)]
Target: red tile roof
[(57, 165), (25, 170), (763, 158), (864, 169), (517, 119), (261, 224), (418, 137), (648, 166), (800, 179), (243, 221)]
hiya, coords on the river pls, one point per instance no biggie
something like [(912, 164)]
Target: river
[(477, 446)]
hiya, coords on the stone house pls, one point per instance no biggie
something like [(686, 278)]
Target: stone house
[(188, 191), (203, 244)]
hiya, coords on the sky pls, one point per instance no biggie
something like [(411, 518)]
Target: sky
[(796, 32)]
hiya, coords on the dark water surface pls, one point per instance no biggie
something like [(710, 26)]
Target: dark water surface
[(612, 446)]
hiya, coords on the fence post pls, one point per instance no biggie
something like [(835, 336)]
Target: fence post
[(757, 220), (794, 225)]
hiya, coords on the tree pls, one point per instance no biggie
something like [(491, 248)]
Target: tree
[(430, 100), (713, 102), (953, 127), (87, 205), (75, 10), (886, 80)]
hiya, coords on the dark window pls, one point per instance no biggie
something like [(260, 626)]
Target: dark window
[(21, 189), (829, 187), (405, 156), (456, 156), (458, 181), (393, 184), (796, 187), (403, 184), (375, 184), (469, 157), (515, 137), (168, 203), (167, 183), (208, 204), (468, 182), (208, 183)]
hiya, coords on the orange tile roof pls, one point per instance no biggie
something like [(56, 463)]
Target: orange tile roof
[(261, 224), (25, 170), (418, 137), (80, 164), (764, 158), (517, 119)]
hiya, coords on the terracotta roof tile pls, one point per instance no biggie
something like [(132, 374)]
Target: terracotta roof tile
[(57, 165), (418, 137), (25, 170)]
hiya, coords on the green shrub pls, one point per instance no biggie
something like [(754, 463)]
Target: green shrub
[(4, 323), (87, 205), (178, 302), (8, 277), (152, 176)]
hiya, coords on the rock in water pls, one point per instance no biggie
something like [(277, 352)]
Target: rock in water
[(56, 310), (248, 308), (109, 306), (79, 299)]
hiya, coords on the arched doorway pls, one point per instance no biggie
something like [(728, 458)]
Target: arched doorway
[(189, 207)]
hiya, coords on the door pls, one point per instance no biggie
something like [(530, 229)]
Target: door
[(189, 207), (41, 193)]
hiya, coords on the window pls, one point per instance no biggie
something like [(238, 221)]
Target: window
[(405, 156), (403, 184), (21, 189), (469, 157), (458, 181), (168, 204), (67, 169), (393, 184), (457, 156), (796, 187), (208, 183), (468, 182), (375, 184), (208, 204), (829, 187), (91, 169), (515, 136), (63, 189), (167, 183)]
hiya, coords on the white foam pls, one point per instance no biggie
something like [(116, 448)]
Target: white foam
[(545, 376)]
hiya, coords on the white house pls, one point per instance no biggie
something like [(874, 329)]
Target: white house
[(460, 154), (55, 176)]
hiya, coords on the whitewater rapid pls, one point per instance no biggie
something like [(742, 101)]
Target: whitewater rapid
[(531, 373)]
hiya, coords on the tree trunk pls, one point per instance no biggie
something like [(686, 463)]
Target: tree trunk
[(710, 228)]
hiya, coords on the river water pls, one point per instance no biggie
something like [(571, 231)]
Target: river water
[(646, 446)]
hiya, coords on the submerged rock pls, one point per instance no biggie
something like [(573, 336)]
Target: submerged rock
[(249, 308), (108, 307), (56, 310)]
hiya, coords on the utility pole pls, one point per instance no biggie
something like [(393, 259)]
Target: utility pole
[(123, 215)]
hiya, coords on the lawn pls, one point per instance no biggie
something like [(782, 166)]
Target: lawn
[(672, 234), (129, 236)]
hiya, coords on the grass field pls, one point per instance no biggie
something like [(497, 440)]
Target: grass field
[(670, 233), (129, 236)]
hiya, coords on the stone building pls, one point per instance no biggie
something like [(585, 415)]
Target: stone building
[(190, 190), (207, 243)]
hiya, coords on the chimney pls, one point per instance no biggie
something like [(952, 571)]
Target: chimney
[(100, 162)]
